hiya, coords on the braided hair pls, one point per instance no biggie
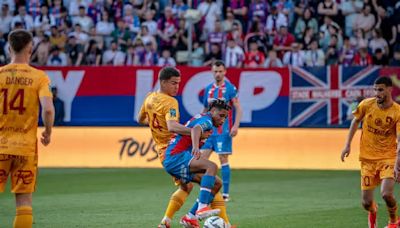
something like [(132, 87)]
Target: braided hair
[(219, 104)]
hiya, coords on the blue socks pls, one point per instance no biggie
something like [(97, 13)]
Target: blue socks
[(226, 178), (206, 184)]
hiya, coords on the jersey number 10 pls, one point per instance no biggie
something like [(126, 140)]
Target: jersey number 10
[(13, 104)]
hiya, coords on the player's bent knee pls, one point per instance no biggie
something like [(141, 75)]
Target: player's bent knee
[(217, 186), (187, 187), (366, 204), (387, 196), (212, 168)]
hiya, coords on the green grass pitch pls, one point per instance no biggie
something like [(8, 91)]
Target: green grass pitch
[(138, 197)]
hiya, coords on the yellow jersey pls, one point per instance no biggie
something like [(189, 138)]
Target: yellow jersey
[(379, 130), (20, 88), (160, 108)]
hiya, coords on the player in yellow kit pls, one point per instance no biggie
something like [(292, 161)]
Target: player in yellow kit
[(378, 148), (160, 110), (21, 89)]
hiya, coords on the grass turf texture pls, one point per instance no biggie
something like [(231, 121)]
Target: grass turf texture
[(138, 197)]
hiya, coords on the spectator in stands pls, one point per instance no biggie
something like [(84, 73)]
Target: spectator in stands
[(328, 22), (327, 8), (396, 56), (286, 7), (105, 27), (74, 51), (148, 5), (121, 33), (58, 108), (95, 10), (274, 21), (23, 18), (131, 19), (273, 60), (57, 57), (306, 21), (227, 24), (42, 51), (74, 5), (396, 33), (308, 36), (215, 54), (5, 18), (80, 35), (234, 55), (113, 56), (254, 58), (365, 21), (150, 55), (210, 12), (385, 22), (138, 53), (93, 55), (179, 8), (362, 58), (150, 23), (166, 59), (197, 55), (294, 56), (83, 20), (332, 54), (258, 11), (65, 20), (216, 37), (33, 7), (55, 10), (301, 5), (315, 56), (350, 9), (45, 20), (57, 38), (167, 27), (3, 55), (116, 9), (325, 42), (180, 40), (359, 39), (380, 58), (347, 53), (147, 37), (377, 41), (239, 10), (283, 41)]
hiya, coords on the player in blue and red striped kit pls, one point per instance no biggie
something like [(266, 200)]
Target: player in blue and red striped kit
[(221, 139), (183, 160)]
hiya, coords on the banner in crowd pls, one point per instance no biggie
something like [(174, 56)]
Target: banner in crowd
[(297, 148), (278, 97)]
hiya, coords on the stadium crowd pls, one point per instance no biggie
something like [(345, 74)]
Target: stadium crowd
[(244, 33)]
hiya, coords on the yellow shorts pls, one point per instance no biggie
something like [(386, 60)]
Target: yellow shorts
[(372, 172), (23, 171)]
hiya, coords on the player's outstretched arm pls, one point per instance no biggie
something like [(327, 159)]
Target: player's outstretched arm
[(175, 127), (353, 128), (48, 118)]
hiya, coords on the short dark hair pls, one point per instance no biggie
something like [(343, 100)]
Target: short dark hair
[(218, 63), (167, 73), (19, 39), (384, 80), (219, 104)]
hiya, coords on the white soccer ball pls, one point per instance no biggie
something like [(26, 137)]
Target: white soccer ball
[(215, 222)]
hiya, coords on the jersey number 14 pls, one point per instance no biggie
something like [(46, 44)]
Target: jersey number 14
[(16, 103)]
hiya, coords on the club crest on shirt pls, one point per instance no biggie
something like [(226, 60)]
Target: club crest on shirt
[(172, 112)]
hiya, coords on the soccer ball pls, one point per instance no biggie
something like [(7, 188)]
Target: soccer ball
[(215, 222)]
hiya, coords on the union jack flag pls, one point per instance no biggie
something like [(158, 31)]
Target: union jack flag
[(323, 96)]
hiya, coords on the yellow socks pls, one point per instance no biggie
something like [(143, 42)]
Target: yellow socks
[(219, 203), (175, 203), (23, 217)]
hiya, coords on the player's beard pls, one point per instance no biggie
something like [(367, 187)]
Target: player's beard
[(381, 100)]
